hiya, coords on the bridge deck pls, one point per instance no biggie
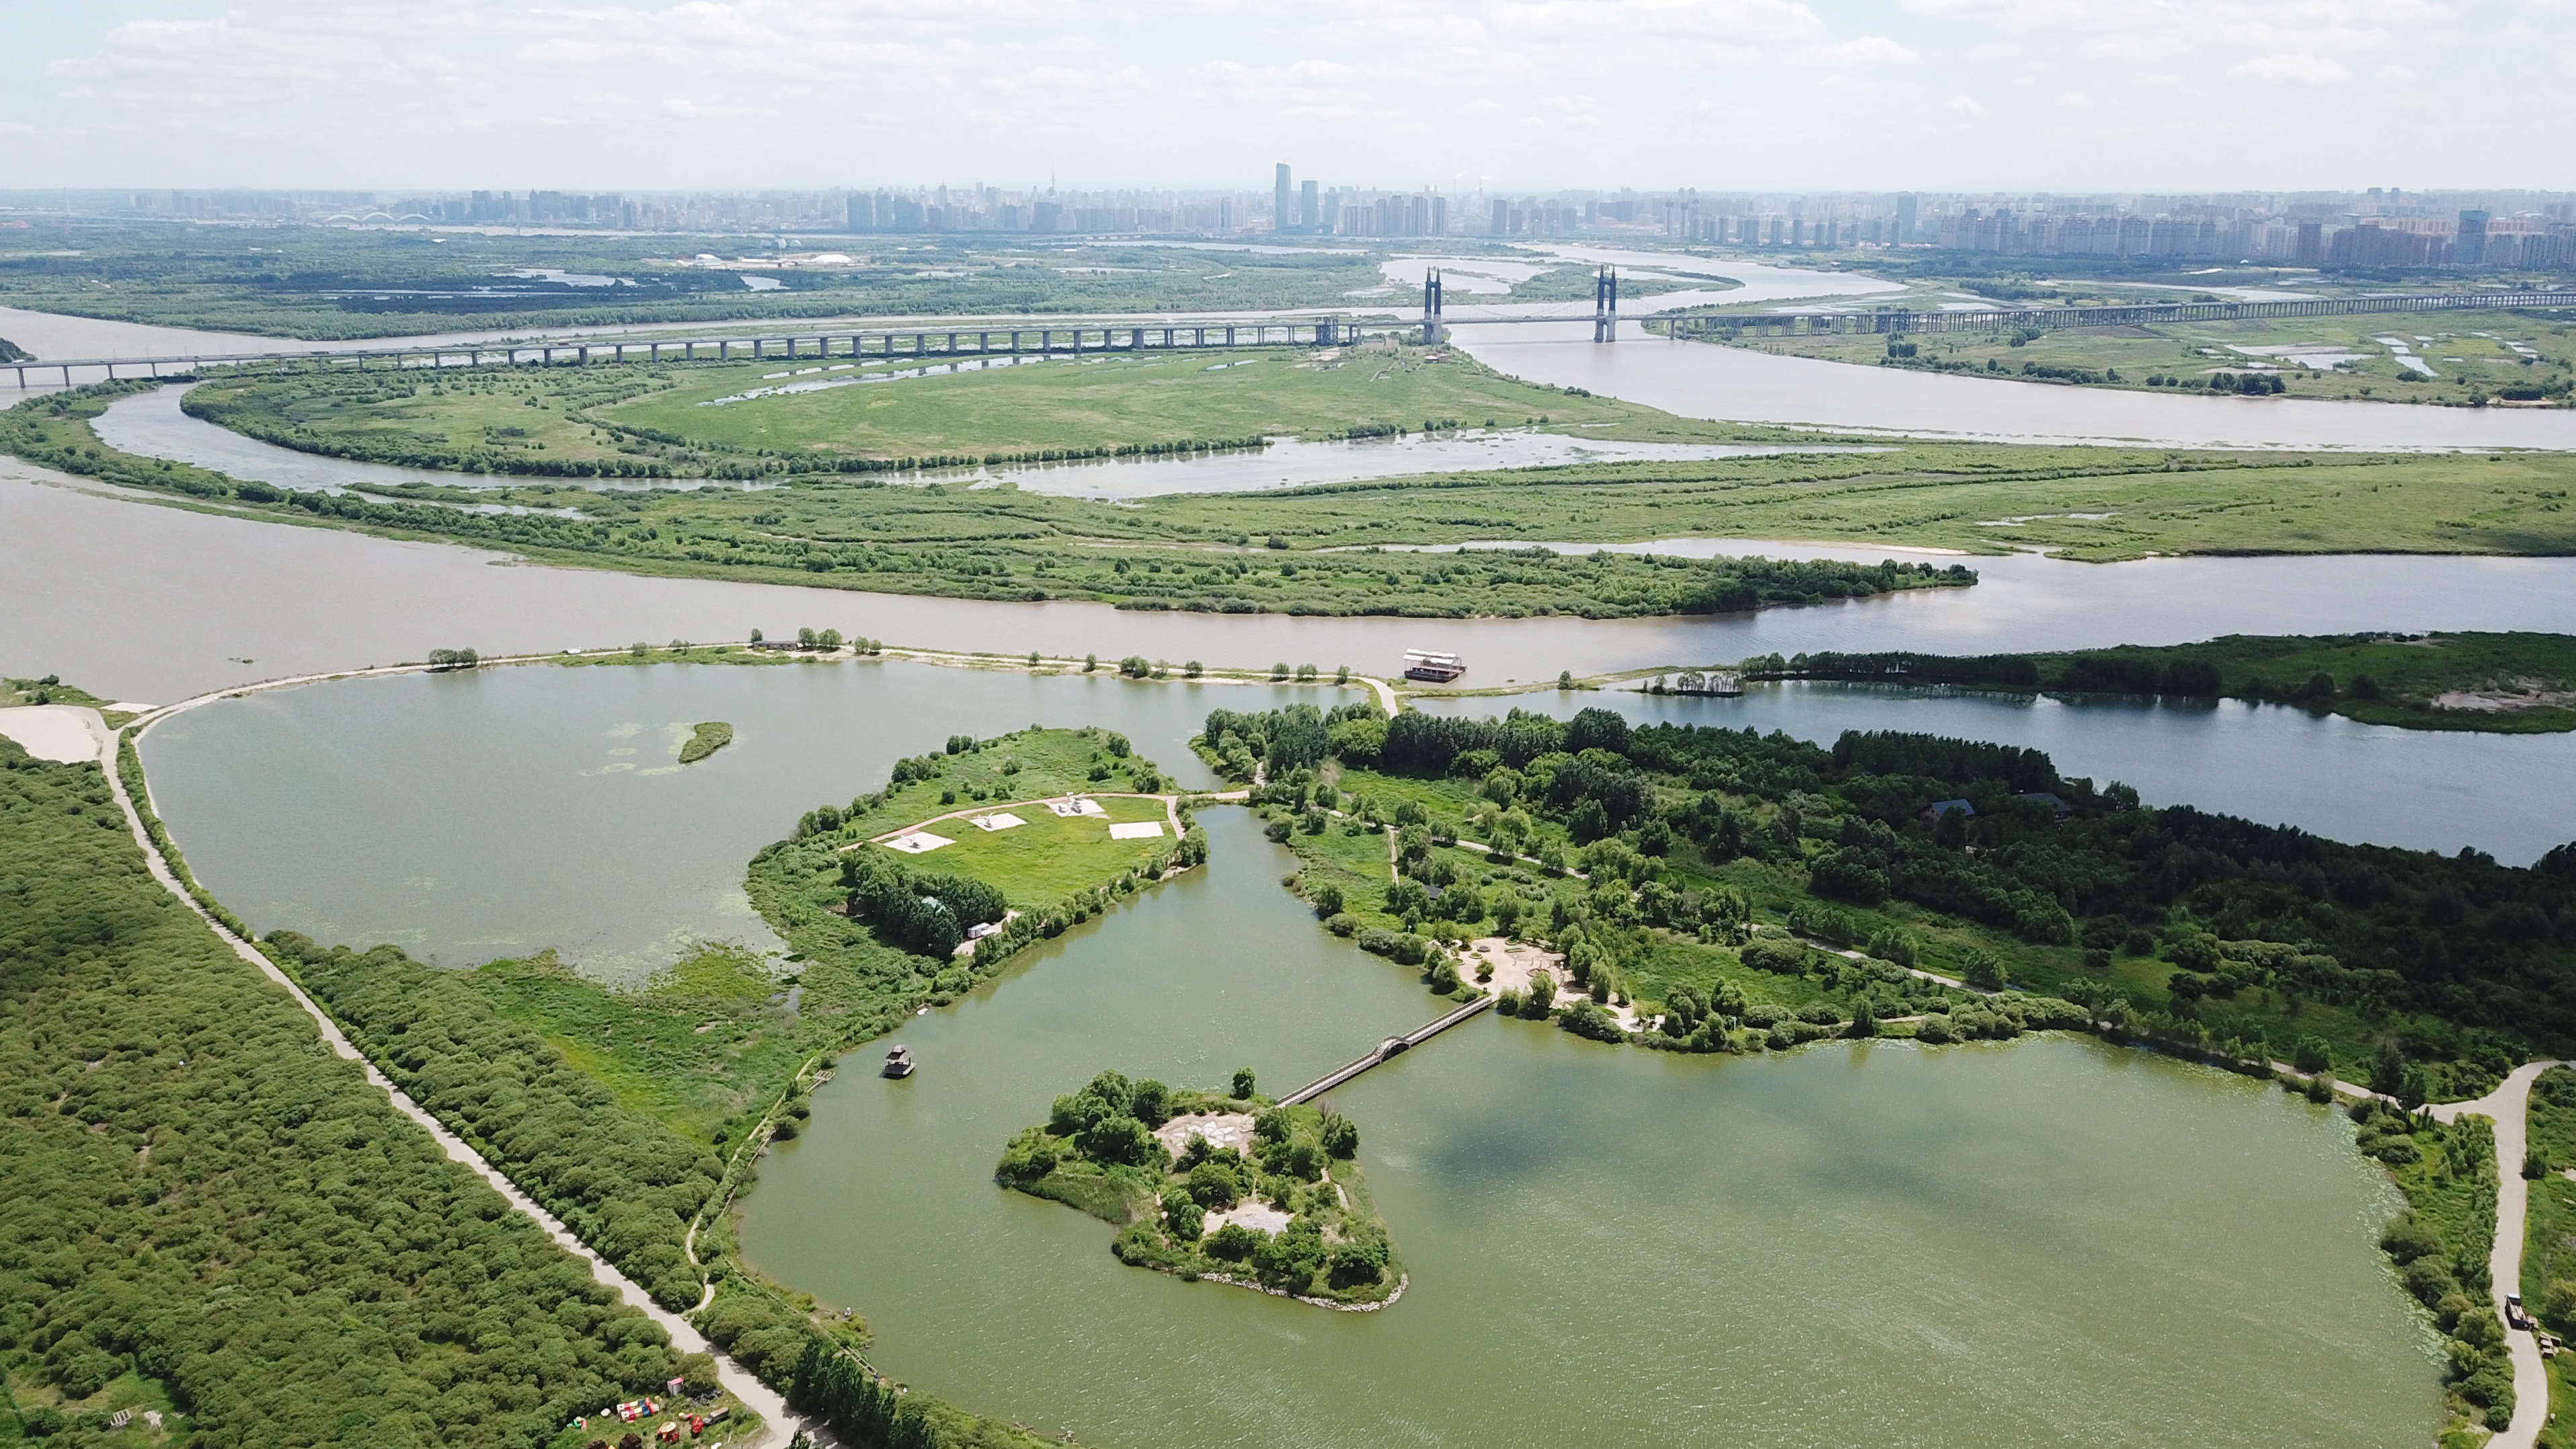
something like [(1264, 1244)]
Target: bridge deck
[(1385, 1051)]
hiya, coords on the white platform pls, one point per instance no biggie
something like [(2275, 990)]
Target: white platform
[(1138, 830), (919, 842), (1072, 808), (1002, 821)]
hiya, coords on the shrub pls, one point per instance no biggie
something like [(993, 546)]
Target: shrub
[(1585, 1019), (1233, 1243)]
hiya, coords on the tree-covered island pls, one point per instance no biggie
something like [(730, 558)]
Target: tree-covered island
[(1223, 1185)]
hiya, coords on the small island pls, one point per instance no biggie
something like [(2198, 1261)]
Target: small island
[(705, 739), (1227, 1186)]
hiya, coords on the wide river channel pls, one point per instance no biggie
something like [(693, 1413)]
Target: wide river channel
[(2045, 1243)]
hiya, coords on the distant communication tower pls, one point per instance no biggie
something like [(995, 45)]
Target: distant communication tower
[(1605, 305)]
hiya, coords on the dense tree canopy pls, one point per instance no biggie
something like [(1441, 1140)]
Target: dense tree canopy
[(200, 1192)]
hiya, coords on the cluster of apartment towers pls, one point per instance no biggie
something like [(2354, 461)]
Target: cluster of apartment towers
[(2385, 228)]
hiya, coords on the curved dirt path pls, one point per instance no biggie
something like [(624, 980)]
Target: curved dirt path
[(756, 1395), (2508, 1106)]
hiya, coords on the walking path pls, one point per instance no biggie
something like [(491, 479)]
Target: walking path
[(2509, 1107), (754, 1394)]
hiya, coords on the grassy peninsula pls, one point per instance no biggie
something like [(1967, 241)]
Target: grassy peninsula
[(755, 419), (1204, 1184), (2512, 683), (1204, 554)]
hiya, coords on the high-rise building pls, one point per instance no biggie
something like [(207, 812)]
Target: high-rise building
[(1310, 206), (1905, 217), (863, 211), (1279, 189), (2469, 246)]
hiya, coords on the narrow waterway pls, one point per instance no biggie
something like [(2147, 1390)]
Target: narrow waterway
[(1736, 384), (156, 603), (2046, 1243)]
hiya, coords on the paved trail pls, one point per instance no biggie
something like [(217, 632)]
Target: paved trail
[(2509, 1106)]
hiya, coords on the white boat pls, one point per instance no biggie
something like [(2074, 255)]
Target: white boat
[(899, 1063), (1432, 666)]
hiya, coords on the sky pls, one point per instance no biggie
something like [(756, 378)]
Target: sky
[(1459, 95)]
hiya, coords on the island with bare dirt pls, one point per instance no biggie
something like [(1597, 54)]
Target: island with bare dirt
[(1228, 1186)]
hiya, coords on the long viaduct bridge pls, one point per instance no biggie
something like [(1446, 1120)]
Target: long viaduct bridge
[(915, 342), (885, 343), (1988, 319)]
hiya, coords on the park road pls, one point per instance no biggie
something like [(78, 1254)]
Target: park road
[(2509, 1107)]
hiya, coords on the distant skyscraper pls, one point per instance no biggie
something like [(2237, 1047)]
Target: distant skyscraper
[(2469, 247), (1905, 217), (863, 212), (1279, 189), (1310, 206)]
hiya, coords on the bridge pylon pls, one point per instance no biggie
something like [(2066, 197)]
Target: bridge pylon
[(1605, 305), (1431, 307)]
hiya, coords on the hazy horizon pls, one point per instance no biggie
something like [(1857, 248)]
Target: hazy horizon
[(2076, 96)]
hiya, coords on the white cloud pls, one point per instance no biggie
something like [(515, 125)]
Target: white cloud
[(2303, 70), (1965, 106), (2393, 75), (1865, 50), (2075, 100)]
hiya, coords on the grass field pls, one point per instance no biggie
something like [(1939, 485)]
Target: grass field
[(1069, 403), (2468, 355), (720, 419), (1049, 857), (704, 1046)]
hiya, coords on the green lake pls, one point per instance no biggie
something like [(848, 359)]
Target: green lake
[(2046, 1242), (2042, 1243)]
